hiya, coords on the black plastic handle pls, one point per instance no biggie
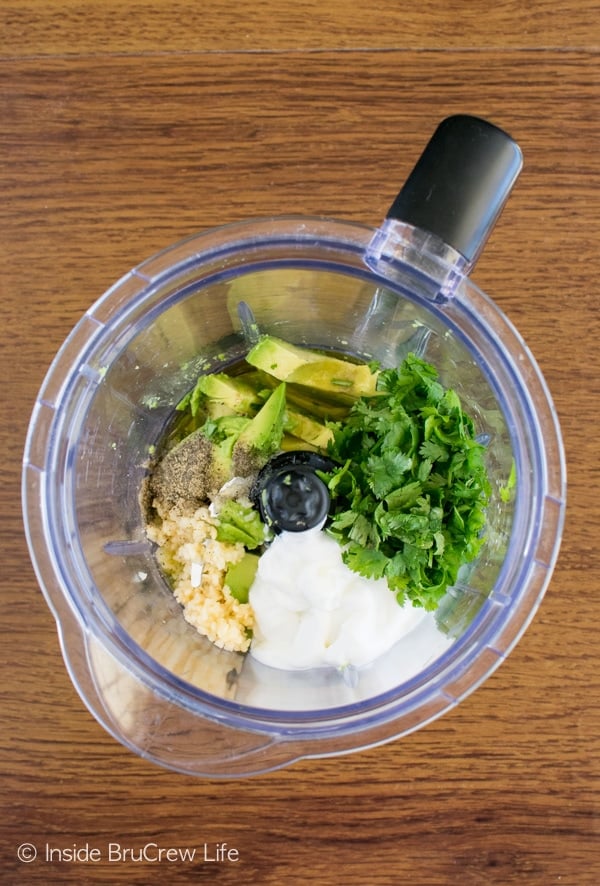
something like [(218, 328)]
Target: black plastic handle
[(460, 183)]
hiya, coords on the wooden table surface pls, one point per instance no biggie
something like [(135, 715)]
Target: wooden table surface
[(126, 126)]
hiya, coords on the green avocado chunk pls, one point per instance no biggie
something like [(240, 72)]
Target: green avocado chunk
[(261, 438), (307, 428), (240, 576), (313, 373), (279, 358), (225, 395)]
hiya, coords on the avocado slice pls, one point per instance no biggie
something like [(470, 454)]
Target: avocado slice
[(307, 428), (226, 395), (336, 378), (289, 443), (307, 401), (320, 407), (277, 357), (261, 438), (240, 575), (315, 374)]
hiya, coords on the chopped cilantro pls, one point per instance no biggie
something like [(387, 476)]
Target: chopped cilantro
[(409, 495)]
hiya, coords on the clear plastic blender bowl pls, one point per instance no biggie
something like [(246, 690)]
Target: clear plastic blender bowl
[(148, 677)]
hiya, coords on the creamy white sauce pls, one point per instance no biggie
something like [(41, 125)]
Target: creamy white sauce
[(311, 610)]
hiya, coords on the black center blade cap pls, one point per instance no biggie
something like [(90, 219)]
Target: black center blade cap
[(289, 494)]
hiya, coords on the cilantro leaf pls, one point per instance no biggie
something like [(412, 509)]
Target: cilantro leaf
[(434, 451), (410, 492), (369, 562), (385, 472)]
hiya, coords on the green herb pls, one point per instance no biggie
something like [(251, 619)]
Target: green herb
[(239, 523), (507, 491), (409, 497)]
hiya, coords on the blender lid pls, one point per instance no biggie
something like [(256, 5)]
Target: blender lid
[(460, 184)]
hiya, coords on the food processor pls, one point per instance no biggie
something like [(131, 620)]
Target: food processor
[(149, 677)]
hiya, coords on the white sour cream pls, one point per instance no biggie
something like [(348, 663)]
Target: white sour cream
[(311, 610)]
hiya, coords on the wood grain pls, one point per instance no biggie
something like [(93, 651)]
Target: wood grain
[(96, 27), (126, 127)]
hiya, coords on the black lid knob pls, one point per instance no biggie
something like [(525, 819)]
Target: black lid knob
[(460, 183), (289, 494)]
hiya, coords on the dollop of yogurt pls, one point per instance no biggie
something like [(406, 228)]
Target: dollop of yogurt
[(311, 610)]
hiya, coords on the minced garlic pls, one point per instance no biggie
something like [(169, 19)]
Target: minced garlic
[(196, 563)]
